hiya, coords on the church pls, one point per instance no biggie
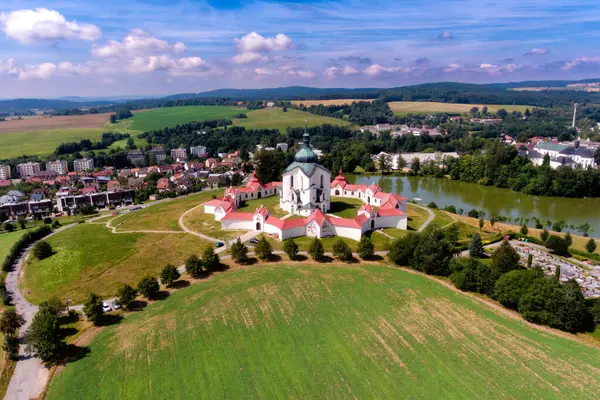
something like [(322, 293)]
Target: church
[(305, 193)]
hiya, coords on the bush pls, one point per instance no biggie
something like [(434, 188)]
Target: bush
[(365, 247), (263, 249), (148, 287), (47, 220), (21, 244), (470, 275), (93, 308), (316, 250), (126, 295), (341, 250), (510, 287), (473, 213), (433, 252), (290, 248), (42, 250), (432, 205), (402, 249), (239, 252), (524, 230), (544, 235), (557, 244), (505, 259), (8, 227), (169, 275), (210, 259), (476, 247), (590, 246)]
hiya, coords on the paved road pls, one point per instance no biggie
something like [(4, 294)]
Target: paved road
[(30, 376), (429, 219)]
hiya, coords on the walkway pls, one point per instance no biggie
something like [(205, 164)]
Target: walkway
[(428, 221)]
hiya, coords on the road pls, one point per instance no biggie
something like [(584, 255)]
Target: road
[(429, 219)]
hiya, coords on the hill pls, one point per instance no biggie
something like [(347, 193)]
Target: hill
[(309, 331), (17, 105)]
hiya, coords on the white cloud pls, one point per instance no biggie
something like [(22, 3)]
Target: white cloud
[(286, 67), (453, 68), (264, 71), (249, 57), (350, 71), (376, 70), (49, 70), (582, 61), (30, 26), (253, 43), (137, 43), (537, 52), (332, 72), (187, 66), (494, 69), (304, 74), (8, 67)]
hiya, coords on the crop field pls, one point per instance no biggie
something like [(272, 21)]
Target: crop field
[(36, 142), (159, 118), (333, 102), (275, 118), (331, 332), (40, 123), (89, 257), (413, 107)]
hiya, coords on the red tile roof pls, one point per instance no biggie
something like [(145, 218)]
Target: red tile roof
[(240, 216)]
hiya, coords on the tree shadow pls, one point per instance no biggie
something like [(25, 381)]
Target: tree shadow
[(72, 353), (180, 284), (110, 319), (137, 305), (274, 258), (68, 331), (325, 259), (161, 295), (340, 206), (300, 257)]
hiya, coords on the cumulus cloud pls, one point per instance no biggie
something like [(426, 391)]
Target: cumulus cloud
[(29, 26), (376, 70), (446, 36), (137, 43), (331, 72), (580, 62), (187, 66), (254, 43), (249, 58), (494, 69), (537, 52), (264, 71), (350, 71), (304, 74), (8, 67), (49, 70), (453, 68)]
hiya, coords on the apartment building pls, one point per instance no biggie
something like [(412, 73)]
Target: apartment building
[(83, 164), (28, 169), (179, 154), (4, 172), (59, 166)]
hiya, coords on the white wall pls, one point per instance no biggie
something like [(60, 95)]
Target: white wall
[(238, 225), (347, 232), (209, 209)]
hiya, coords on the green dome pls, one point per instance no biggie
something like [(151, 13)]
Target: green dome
[(305, 154)]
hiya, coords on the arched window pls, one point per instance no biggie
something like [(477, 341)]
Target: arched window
[(292, 181), (321, 181)]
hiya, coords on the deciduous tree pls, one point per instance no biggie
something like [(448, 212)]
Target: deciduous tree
[(126, 295), (505, 258), (43, 338), (590, 246), (11, 322), (263, 249), (169, 275), (148, 287), (290, 248), (365, 247), (93, 308), (341, 250)]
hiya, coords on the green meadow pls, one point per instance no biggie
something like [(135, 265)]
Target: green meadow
[(328, 332), (39, 142)]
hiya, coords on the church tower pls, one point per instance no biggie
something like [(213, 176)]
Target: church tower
[(306, 183)]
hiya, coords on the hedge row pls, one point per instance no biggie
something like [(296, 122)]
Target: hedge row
[(27, 239)]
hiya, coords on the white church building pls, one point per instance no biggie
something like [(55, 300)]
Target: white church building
[(306, 191)]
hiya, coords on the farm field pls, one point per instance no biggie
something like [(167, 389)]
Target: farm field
[(40, 123), (37, 142), (275, 118), (159, 118), (406, 107), (331, 102), (88, 257), (330, 331)]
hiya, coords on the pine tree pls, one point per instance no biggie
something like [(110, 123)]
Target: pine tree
[(544, 235), (341, 250), (291, 248), (590, 246), (476, 247), (524, 230), (316, 250), (263, 249), (193, 266), (239, 252)]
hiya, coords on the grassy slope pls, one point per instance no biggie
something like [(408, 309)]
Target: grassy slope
[(37, 142), (7, 240), (405, 107), (90, 258), (275, 118), (326, 332)]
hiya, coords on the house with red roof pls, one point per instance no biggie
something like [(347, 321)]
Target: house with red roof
[(253, 190)]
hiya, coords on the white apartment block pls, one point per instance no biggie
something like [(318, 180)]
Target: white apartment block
[(59, 166), (4, 172), (179, 154), (83, 164), (199, 151), (28, 169)]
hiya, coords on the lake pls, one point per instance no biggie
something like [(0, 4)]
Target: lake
[(492, 200)]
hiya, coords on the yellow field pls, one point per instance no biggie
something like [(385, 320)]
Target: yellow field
[(335, 102), (405, 107)]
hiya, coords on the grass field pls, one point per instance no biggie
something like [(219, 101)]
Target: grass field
[(275, 118), (345, 207), (333, 102), (406, 107), (88, 257), (36, 142), (327, 332), (7, 239), (416, 217), (270, 203), (198, 221)]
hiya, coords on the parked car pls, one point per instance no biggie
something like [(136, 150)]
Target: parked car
[(254, 240), (219, 244), (116, 305), (106, 307)]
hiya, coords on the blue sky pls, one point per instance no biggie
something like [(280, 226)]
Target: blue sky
[(63, 48)]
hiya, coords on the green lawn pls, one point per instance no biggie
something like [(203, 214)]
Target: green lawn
[(275, 118), (345, 207), (416, 217), (271, 203), (326, 332), (14, 144), (7, 239), (88, 257), (441, 218), (198, 221)]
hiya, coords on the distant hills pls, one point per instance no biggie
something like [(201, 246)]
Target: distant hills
[(451, 92)]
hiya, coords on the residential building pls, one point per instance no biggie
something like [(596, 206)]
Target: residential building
[(179, 154), (199, 151), (83, 164), (64, 200), (59, 166), (28, 169), (561, 154), (135, 157), (159, 154), (4, 172)]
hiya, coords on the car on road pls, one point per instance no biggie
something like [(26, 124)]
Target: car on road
[(254, 240), (116, 305), (219, 244), (106, 307)]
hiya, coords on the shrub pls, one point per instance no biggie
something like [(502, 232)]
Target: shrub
[(557, 244), (193, 266), (544, 235), (11, 347), (169, 275), (590, 246), (365, 247), (290, 248), (505, 259), (263, 249), (42, 250), (524, 230), (148, 287), (473, 213), (47, 220), (402, 249), (239, 252), (476, 247), (470, 275), (432, 205), (210, 259), (316, 250), (126, 295), (8, 227), (341, 250), (510, 287)]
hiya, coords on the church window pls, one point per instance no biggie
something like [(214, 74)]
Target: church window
[(321, 181)]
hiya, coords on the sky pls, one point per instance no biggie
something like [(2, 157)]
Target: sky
[(56, 48)]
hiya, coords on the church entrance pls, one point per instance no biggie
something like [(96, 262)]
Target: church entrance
[(259, 195), (372, 224), (258, 226)]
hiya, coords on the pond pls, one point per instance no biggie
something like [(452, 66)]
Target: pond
[(490, 199)]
